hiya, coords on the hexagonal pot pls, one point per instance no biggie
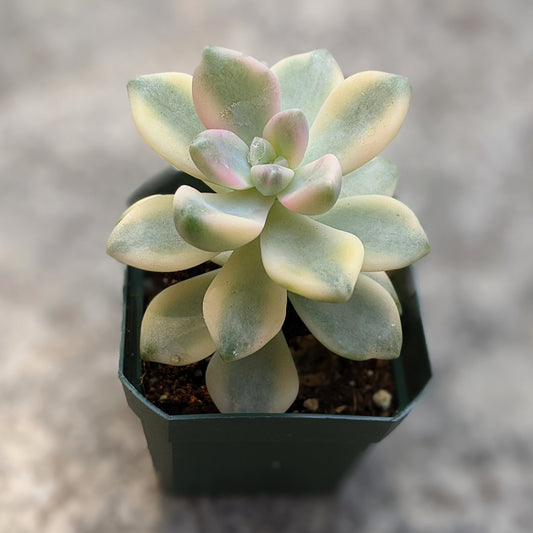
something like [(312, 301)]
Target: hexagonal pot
[(261, 453)]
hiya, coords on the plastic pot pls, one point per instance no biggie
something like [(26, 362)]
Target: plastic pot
[(261, 453)]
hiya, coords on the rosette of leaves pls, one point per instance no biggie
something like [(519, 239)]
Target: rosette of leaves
[(301, 207)]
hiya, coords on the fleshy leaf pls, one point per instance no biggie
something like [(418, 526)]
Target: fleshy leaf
[(390, 232), (145, 237), (378, 176), (366, 326), (288, 133), (306, 80), (234, 92), (164, 114), (309, 258), (271, 179), (223, 158), (264, 382), (243, 307), (261, 152), (173, 330), (359, 118), (222, 258), (383, 279), (219, 222), (314, 188)]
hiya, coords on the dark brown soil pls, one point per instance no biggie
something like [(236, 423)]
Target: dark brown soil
[(328, 383)]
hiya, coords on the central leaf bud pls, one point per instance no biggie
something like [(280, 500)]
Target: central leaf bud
[(271, 178), (261, 152)]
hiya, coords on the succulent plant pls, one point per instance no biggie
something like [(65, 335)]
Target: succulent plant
[(301, 207)]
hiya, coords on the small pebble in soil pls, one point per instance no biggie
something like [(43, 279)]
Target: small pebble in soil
[(311, 404), (382, 398)]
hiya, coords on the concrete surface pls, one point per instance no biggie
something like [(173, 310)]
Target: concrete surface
[(72, 456)]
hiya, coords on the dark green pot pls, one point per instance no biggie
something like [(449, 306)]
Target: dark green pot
[(261, 453)]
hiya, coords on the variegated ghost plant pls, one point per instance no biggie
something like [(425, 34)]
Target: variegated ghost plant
[(301, 207)]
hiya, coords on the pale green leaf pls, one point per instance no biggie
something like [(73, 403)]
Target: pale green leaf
[(383, 279), (310, 258), (288, 133), (261, 152), (223, 158), (306, 80), (359, 118), (314, 188), (243, 307), (378, 176), (234, 92), (366, 326), (222, 258), (145, 237), (164, 114), (390, 232), (173, 330), (264, 382), (219, 222), (271, 179)]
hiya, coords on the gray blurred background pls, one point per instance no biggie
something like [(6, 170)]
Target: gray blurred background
[(72, 456)]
